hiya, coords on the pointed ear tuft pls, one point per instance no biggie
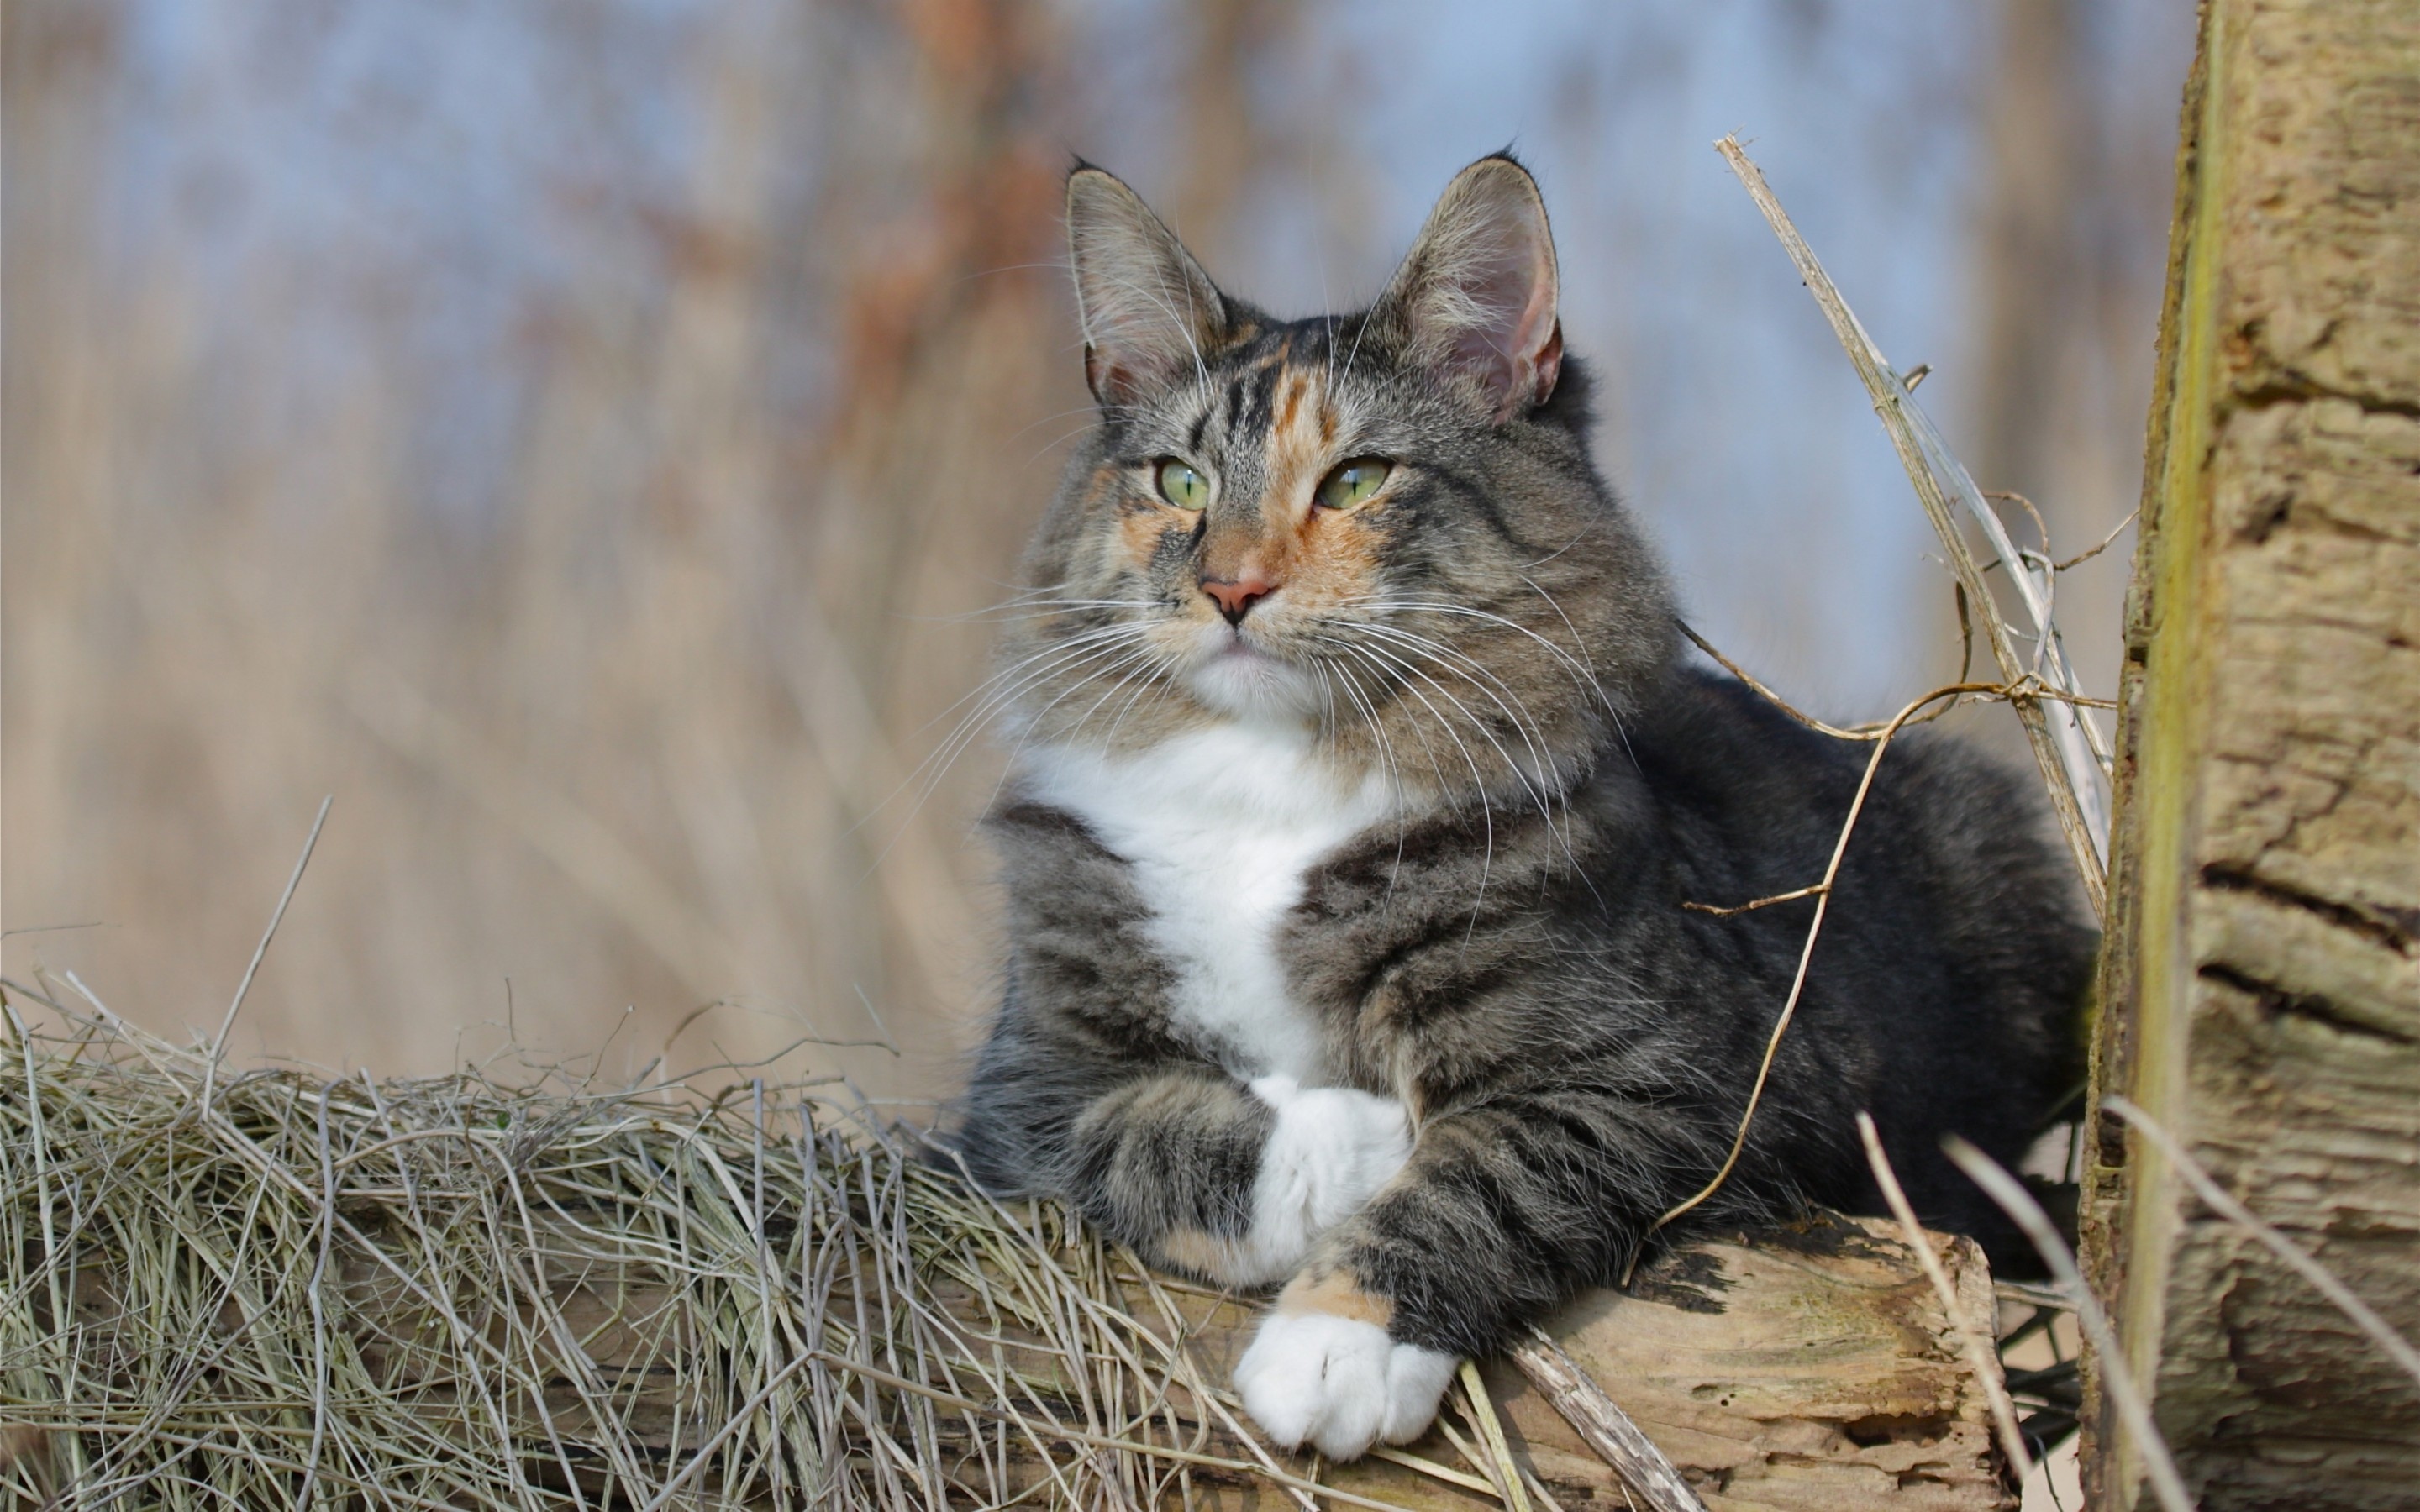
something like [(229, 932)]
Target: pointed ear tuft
[(1476, 297), (1150, 313)]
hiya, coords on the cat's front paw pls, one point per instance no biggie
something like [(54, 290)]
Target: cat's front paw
[(1332, 1148), (1339, 1383)]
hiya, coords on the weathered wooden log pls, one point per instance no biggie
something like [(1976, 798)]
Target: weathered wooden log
[(1809, 1370), (342, 1295)]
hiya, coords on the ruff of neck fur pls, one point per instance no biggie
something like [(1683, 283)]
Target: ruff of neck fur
[(1219, 824)]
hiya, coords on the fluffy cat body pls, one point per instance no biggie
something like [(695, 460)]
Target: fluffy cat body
[(1358, 791)]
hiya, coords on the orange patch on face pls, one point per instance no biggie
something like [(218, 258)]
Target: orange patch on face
[(1299, 428), (1141, 532), (1337, 1292), (1340, 558), (1105, 490), (1326, 556), (1292, 389)]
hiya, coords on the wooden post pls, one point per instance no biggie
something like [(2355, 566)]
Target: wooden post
[(2263, 984)]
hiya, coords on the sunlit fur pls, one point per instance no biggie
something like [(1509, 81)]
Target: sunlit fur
[(1419, 824)]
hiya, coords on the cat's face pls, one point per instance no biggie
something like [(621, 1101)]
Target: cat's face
[(1295, 491), (1377, 524)]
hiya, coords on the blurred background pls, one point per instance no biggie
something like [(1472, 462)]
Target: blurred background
[(583, 437)]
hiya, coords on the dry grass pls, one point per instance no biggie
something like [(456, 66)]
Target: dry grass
[(471, 1292)]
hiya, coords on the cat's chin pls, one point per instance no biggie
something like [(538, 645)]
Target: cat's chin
[(1246, 684)]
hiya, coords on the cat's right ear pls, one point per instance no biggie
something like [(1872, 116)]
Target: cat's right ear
[(1151, 316), (1475, 299)]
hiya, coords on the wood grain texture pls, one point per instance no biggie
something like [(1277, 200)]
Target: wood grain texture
[(1603, 1427), (2263, 976)]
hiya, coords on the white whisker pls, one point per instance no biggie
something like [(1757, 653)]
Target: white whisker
[(1387, 762), (1534, 788), (1486, 806), (1582, 673), (1546, 787), (1130, 664), (997, 693)]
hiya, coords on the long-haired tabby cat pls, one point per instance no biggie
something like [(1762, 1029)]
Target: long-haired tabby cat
[(1358, 787)]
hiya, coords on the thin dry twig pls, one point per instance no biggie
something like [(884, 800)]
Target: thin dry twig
[(2116, 531), (1819, 726), (1816, 889), (1430, 1468), (1482, 1415), (1603, 1425), (1822, 892), (2041, 528), (2067, 747), (2225, 1205), (2033, 1294), (2119, 1381), (1965, 633), (1858, 733), (1981, 1357)]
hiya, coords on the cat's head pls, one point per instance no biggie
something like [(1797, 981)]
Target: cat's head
[(1383, 525)]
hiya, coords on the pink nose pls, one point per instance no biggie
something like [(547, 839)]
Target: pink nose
[(1236, 596)]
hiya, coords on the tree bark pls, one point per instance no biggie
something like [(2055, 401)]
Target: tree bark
[(2262, 980)]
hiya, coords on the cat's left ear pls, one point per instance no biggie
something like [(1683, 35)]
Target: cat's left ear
[(1476, 297), (1150, 313)]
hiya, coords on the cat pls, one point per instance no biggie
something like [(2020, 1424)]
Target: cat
[(1357, 784)]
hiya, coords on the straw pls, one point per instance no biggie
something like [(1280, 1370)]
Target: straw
[(465, 1292)]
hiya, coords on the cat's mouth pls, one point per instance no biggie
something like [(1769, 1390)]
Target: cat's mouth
[(1238, 675)]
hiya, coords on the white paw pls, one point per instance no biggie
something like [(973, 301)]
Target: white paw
[(1332, 1150), (1339, 1383)]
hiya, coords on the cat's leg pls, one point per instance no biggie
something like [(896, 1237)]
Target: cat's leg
[(1330, 1148), (1085, 1090), (1168, 1153), (1233, 1183)]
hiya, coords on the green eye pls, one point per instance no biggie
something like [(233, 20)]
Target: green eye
[(1183, 487), (1349, 482)]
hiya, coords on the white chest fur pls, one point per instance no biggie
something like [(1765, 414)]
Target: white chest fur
[(1219, 827)]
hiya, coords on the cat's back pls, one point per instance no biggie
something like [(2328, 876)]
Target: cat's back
[(1731, 769), (1956, 916)]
